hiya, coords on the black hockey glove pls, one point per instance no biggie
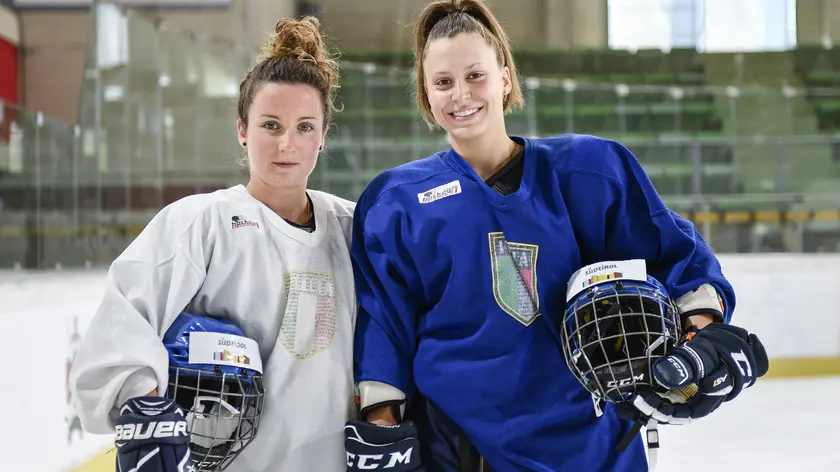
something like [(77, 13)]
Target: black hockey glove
[(720, 359), (152, 436), (374, 447)]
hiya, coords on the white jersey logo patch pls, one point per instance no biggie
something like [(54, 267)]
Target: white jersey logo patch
[(310, 320), (240, 222), (442, 191)]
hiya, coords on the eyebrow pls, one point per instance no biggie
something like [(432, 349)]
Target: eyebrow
[(468, 67), (267, 115)]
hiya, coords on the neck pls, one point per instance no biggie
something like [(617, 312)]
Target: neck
[(487, 154), (289, 203)]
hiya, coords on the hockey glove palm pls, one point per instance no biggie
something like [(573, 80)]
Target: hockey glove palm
[(374, 447), (720, 359), (152, 436)]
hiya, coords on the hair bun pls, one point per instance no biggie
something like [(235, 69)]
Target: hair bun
[(297, 39)]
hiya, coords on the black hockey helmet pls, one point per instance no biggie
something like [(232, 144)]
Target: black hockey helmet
[(618, 320)]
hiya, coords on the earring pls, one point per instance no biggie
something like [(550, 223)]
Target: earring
[(244, 143), (321, 148)]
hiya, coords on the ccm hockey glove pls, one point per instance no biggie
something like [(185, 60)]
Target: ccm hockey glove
[(375, 447), (152, 436), (720, 360)]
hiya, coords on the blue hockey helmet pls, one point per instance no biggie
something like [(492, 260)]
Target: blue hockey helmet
[(618, 320), (215, 374), (177, 341)]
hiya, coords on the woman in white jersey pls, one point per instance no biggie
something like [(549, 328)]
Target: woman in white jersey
[(270, 256)]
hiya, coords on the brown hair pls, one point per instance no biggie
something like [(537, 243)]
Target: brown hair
[(294, 54), (447, 18)]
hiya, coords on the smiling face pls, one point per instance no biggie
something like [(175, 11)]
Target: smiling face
[(466, 86), (284, 133)]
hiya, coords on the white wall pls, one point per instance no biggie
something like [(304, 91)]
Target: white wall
[(768, 25), (39, 312), (9, 25), (127, 3), (709, 25), (792, 301)]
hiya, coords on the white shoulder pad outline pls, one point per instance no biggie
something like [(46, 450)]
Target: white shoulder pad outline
[(704, 297), (372, 393)]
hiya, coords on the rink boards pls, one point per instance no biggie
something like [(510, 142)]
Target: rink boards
[(791, 300)]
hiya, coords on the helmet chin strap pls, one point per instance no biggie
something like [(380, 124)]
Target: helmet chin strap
[(215, 427), (650, 425), (198, 407), (659, 341)]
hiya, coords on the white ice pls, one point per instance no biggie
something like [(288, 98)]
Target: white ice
[(784, 425)]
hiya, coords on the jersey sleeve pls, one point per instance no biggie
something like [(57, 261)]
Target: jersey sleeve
[(624, 217), (385, 335), (121, 355)]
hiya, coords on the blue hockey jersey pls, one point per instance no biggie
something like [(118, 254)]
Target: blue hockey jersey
[(461, 290)]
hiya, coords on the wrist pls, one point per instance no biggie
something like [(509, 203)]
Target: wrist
[(700, 320), (382, 415), (701, 306)]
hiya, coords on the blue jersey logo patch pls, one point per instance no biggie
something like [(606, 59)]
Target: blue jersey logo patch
[(514, 267)]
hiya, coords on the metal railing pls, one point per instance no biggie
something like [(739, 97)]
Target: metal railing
[(757, 168)]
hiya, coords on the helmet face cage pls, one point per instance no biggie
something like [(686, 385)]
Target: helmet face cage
[(223, 411), (613, 332)]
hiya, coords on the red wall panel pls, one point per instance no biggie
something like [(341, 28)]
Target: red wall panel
[(9, 87)]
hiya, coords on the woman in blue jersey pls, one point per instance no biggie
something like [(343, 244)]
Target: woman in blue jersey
[(461, 262)]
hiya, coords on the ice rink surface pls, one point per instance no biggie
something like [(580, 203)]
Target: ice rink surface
[(779, 425)]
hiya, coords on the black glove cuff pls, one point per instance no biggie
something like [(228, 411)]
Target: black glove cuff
[(135, 431), (375, 447)]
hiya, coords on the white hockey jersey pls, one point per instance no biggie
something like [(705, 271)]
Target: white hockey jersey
[(226, 254)]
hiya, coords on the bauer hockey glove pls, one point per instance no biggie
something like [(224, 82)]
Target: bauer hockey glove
[(376, 447), (152, 436), (720, 360)]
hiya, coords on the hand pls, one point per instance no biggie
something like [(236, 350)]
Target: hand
[(152, 436), (720, 359), (374, 447)]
